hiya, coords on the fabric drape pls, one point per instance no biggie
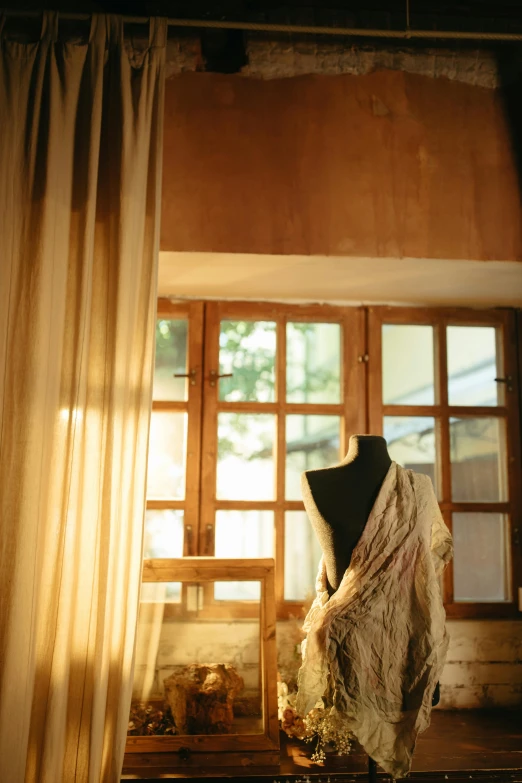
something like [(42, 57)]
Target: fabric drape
[(375, 650), (80, 156)]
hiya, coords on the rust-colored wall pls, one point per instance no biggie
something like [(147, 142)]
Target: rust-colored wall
[(389, 164)]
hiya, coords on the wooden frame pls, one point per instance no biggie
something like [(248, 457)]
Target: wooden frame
[(349, 409), (193, 312), (254, 748), (439, 318), (361, 409)]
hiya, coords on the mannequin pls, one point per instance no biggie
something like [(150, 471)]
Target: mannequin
[(358, 479), (338, 501)]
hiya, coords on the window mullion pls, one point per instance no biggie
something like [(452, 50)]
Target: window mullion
[(207, 489), (194, 408), (354, 374), (441, 397), (375, 403), (279, 515)]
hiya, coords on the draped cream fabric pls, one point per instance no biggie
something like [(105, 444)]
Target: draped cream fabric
[(377, 647), (80, 157)]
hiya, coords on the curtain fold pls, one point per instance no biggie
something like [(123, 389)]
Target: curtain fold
[(80, 170)]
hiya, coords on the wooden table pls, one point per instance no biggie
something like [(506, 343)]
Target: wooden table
[(464, 745)]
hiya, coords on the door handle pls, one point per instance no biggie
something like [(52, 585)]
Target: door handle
[(214, 376), (508, 380), (191, 374)]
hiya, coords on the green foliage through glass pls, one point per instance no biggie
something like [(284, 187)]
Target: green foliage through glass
[(247, 349)]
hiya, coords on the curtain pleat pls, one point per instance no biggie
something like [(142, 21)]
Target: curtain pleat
[(80, 170)]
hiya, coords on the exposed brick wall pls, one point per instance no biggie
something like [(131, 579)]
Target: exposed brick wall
[(283, 56), (270, 59), (483, 667)]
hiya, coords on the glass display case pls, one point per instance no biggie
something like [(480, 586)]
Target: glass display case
[(205, 676)]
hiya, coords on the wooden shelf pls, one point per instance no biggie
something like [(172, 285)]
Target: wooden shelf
[(465, 745)]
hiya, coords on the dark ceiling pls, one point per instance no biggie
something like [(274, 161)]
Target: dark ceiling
[(225, 51), (474, 15)]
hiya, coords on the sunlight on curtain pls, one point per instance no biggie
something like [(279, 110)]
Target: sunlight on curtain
[(80, 163)]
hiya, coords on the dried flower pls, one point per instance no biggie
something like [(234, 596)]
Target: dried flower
[(329, 729), (146, 720), (324, 725)]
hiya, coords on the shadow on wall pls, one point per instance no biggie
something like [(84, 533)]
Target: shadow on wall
[(509, 59)]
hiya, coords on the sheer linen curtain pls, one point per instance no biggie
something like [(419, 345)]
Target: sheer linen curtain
[(80, 163)]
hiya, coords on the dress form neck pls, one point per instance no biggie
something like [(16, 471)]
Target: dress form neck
[(368, 451)]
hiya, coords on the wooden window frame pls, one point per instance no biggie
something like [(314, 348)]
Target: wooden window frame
[(439, 318), (361, 408), (348, 409), (193, 312)]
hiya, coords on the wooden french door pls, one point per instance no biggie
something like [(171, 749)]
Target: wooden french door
[(173, 485), (284, 390), (443, 390)]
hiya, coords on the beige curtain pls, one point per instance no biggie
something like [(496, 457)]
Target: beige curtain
[(80, 156)]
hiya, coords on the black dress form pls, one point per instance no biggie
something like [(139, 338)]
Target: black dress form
[(338, 501)]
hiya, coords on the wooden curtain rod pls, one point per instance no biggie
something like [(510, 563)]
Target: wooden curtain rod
[(262, 27)]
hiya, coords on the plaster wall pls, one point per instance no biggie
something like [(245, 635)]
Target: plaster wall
[(387, 164)]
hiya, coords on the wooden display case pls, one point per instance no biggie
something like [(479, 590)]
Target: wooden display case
[(190, 649)]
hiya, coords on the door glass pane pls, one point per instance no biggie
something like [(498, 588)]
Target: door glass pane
[(407, 365), (313, 362), (480, 571), (412, 443), (473, 366), (247, 349), (245, 467), (478, 465), (244, 534), (163, 533), (167, 453), (196, 672), (311, 442), (302, 557), (171, 358)]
